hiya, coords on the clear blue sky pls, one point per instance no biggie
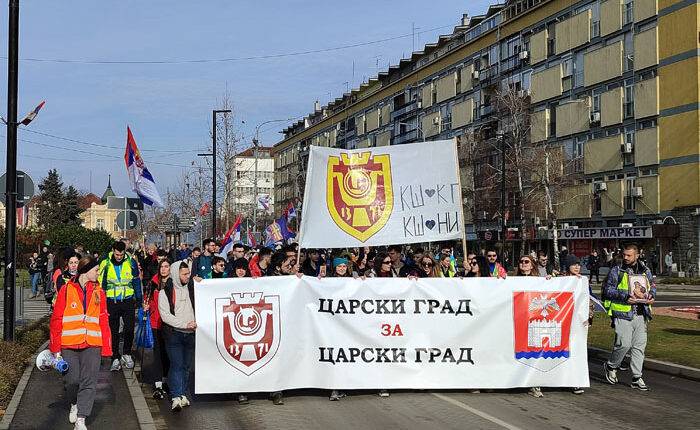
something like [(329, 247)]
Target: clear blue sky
[(168, 106)]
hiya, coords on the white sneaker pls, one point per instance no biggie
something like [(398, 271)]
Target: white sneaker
[(80, 424), (73, 414), (127, 361), (176, 406), (116, 366), (184, 401), (535, 392)]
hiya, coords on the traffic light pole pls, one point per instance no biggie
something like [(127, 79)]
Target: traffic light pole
[(11, 183)]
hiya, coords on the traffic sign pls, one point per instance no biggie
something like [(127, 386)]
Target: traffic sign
[(25, 188), (133, 220), (133, 203)]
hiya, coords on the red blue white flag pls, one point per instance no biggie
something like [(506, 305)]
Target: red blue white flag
[(141, 180), (31, 115)]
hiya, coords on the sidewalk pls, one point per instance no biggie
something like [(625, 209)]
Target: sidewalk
[(44, 404)]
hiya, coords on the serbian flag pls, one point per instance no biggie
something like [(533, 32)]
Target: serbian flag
[(251, 239), (291, 211), (31, 115), (140, 178), (232, 236)]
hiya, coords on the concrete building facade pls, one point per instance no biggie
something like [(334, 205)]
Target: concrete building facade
[(613, 84)]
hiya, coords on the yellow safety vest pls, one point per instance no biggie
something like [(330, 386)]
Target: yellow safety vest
[(117, 288), (611, 306), (78, 325)]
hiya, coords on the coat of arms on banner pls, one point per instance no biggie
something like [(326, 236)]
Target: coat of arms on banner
[(359, 193), (542, 324), (248, 330)]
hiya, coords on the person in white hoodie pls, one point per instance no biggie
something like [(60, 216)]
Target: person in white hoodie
[(176, 306)]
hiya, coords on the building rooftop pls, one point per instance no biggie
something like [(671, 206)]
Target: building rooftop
[(263, 152), (467, 24), (108, 192)]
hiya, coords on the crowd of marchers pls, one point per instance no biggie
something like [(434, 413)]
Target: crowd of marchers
[(93, 297)]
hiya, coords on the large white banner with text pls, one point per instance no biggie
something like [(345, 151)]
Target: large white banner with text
[(279, 333), (378, 196)]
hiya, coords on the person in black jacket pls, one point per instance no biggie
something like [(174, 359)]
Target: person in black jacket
[(593, 267)]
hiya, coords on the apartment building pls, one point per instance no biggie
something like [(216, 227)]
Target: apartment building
[(613, 83), (240, 194)]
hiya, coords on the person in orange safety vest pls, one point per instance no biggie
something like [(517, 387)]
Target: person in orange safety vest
[(80, 334)]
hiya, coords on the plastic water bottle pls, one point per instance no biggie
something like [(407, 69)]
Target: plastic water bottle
[(60, 365)]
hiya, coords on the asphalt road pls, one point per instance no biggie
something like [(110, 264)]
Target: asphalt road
[(671, 404)]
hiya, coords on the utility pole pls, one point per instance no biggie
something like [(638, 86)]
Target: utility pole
[(213, 176), (11, 183)]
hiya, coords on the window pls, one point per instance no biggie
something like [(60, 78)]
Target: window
[(553, 119), (567, 66), (629, 98), (629, 51), (526, 79), (628, 157), (628, 12), (100, 224), (596, 102), (597, 206), (630, 200), (578, 69)]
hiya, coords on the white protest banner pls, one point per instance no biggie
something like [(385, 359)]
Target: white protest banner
[(379, 196), (278, 333)]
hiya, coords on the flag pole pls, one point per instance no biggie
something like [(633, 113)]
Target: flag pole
[(301, 216), (461, 202)]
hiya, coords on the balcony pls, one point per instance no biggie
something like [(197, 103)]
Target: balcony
[(409, 136), (405, 109)]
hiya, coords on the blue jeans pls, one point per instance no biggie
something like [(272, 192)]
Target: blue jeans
[(36, 278), (180, 347)]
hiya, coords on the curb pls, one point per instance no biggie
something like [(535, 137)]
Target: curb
[(143, 413), (19, 391), (672, 369)]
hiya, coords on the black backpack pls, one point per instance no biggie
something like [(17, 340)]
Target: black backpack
[(49, 288)]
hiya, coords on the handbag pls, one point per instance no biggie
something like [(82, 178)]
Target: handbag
[(144, 333)]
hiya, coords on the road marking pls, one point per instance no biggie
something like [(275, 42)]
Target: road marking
[(475, 411)]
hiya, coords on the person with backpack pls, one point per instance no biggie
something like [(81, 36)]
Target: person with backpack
[(176, 307), (119, 277)]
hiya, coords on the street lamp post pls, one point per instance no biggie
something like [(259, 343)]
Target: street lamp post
[(11, 178), (213, 176)]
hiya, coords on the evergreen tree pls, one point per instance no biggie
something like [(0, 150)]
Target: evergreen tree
[(72, 209), (51, 211)]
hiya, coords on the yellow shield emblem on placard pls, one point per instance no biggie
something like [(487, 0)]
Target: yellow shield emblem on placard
[(359, 193)]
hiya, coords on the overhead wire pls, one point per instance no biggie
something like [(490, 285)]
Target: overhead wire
[(82, 142), (105, 157), (232, 59)]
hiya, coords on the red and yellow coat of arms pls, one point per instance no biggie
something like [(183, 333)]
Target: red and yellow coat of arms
[(359, 193)]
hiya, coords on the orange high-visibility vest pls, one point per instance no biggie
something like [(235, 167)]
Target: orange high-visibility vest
[(79, 326)]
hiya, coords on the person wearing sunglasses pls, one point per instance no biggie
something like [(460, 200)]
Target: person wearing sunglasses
[(478, 266), (382, 266), (496, 270), (428, 268), (526, 267)]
